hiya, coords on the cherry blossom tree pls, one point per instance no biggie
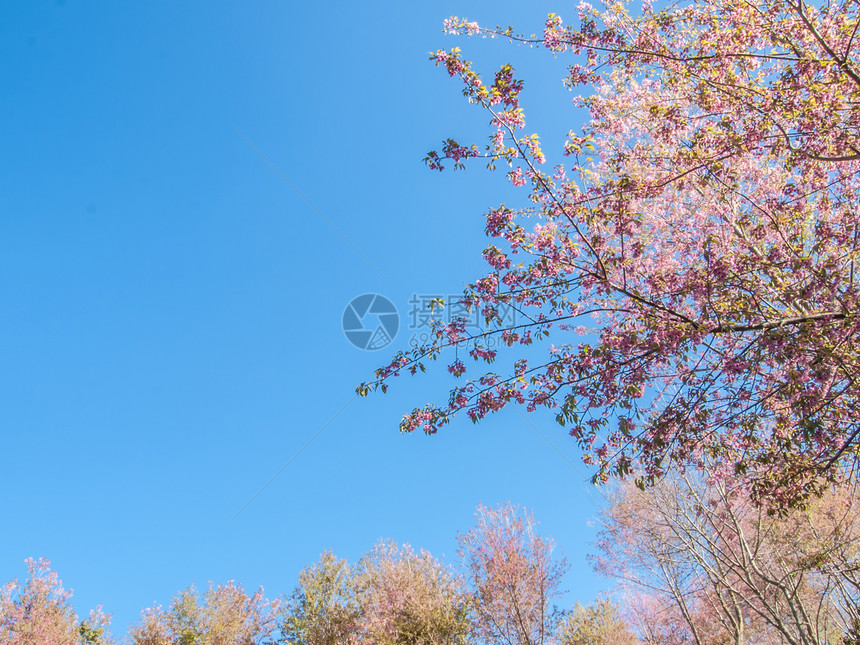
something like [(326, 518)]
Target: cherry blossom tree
[(410, 598), (698, 562), (323, 609), (41, 612), (223, 615), (694, 258), (512, 576), (596, 624), (152, 629)]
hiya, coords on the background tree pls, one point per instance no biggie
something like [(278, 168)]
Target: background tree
[(152, 629), (597, 624), (512, 577), (701, 564), (323, 609), (223, 615), (94, 630), (41, 612), (410, 598), (706, 224)]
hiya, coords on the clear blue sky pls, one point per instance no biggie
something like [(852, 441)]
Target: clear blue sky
[(170, 307)]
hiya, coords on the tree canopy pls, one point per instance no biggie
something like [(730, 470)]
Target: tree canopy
[(693, 260), (693, 561), (696, 562)]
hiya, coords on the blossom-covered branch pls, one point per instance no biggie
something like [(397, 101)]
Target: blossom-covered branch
[(707, 223)]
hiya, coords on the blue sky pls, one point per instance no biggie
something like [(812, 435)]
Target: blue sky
[(170, 327)]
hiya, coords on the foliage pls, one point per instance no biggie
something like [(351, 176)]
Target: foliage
[(410, 598), (224, 615), (596, 624), (706, 223), (701, 564), (512, 576), (41, 612), (152, 629), (323, 609), (695, 559)]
